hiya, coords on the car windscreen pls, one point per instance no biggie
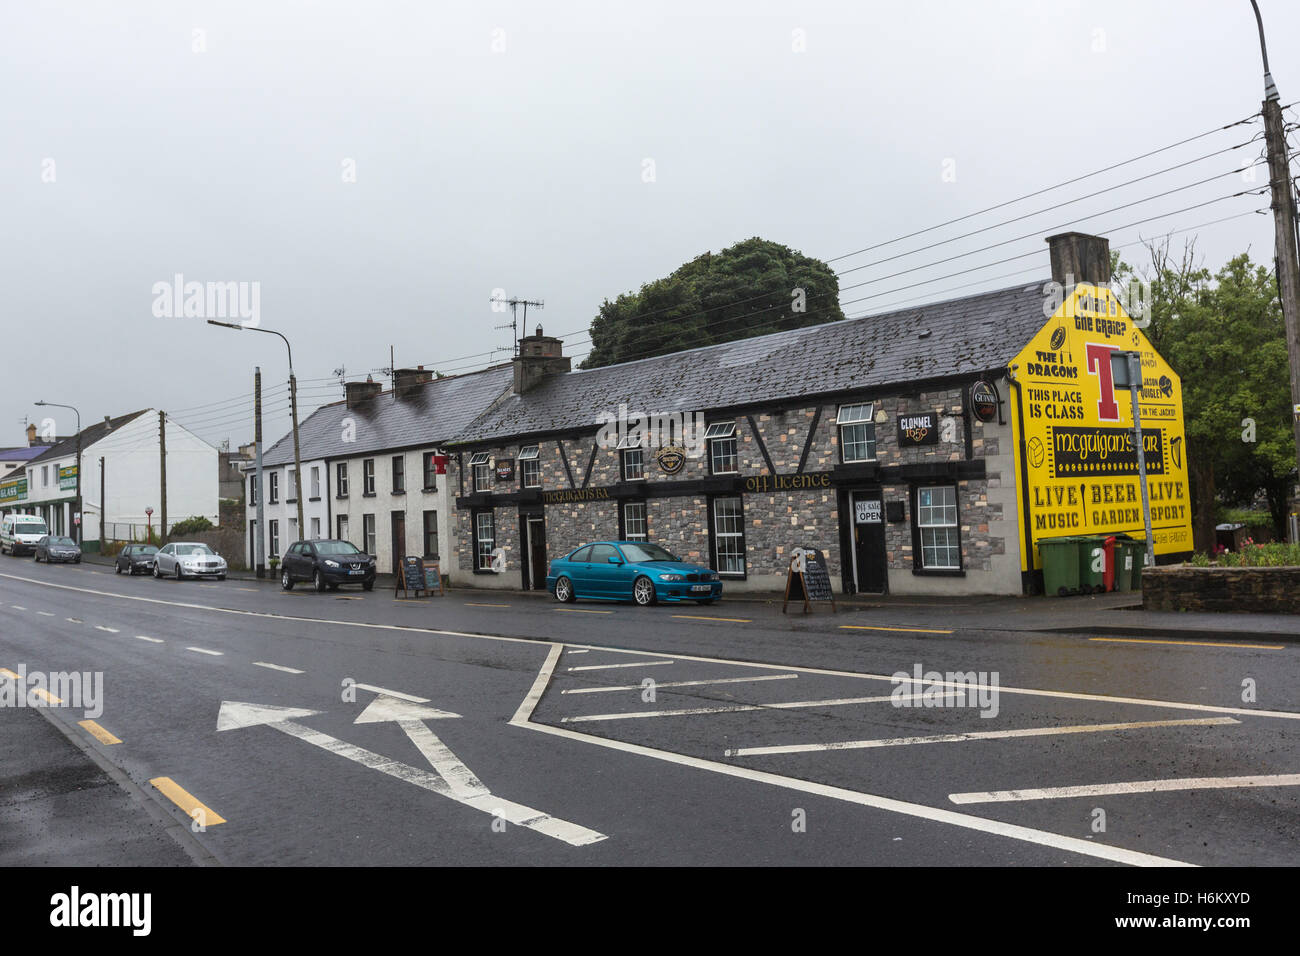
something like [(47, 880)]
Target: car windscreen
[(193, 549), (336, 547), (64, 542), (647, 552), (145, 549), (31, 527)]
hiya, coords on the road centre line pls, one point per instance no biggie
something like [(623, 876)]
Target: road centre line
[(193, 807), (606, 667), (534, 642), (680, 683), (98, 732), (45, 613), (1142, 640), (473, 604), (1136, 786), (910, 630), (204, 650), (74, 620), (151, 640), (523, 718), (111, 630), (580, 610), (278, 667), (703, 617), (736, 708), (981, 735), (18, 607)]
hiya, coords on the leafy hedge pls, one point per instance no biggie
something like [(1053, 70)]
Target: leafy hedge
[(191, 526)]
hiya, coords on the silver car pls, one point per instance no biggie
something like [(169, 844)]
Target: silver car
[(182, 559), (55, 549)]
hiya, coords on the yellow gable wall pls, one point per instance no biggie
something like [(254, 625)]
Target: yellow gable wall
[(1082, 463)]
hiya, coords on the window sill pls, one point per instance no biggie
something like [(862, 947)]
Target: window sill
[(340, 497), (369, 494), (317, 498), (429, 489), (399, 492), (939, 572)]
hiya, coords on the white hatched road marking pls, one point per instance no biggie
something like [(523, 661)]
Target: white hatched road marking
[(278, 667), (980, 735), (681, 683), (1136, 786), (523, 718), (608, 667), (736, 708)]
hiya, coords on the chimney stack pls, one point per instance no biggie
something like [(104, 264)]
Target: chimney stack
[(359, 393), (539, 356), (1078, 257), (31, 435), (407, 381)]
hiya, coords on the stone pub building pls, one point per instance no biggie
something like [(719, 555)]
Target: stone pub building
[(885, 442)]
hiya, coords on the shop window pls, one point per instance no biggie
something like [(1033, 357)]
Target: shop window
[(728, 536), (485, 536), (857, 432), (530, 466), (936, 519)]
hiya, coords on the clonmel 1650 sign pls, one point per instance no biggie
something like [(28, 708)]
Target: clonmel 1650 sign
[(1078, 447)]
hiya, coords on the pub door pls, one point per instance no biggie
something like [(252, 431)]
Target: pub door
[(399, 540), (537, 564), (867, 511)]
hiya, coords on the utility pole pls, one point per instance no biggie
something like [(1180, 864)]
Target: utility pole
[(103, 505), (297, 456), (259, 549), (162, 478), (1284, 228)]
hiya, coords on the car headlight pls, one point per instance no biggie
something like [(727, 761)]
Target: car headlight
[(331, 564), (671, 577)]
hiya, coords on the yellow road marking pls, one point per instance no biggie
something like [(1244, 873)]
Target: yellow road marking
[(245, 589), (472, 604), (6, 672), (701, 617), (1140, 640), (911, 630), (46, 696), (580, 610), (98, 732), (194, 809)]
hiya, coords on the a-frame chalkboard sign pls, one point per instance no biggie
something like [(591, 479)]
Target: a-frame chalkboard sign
[(418, 575), (808, 580)]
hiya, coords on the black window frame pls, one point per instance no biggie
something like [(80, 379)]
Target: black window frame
[(430, 468), (341, 476), (431, 526), (398, 466), (368, 478), (273, 488)]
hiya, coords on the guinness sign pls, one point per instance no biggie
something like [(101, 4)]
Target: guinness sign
[(671, 458), (984, 401)]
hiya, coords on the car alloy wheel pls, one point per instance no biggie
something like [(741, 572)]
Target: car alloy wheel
[(178, 570), (286, 582), (156, 572), (643, 591), (318, 582), (117, 569), (563, 590)]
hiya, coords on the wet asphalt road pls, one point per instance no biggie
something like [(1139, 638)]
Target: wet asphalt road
[(511, 730)]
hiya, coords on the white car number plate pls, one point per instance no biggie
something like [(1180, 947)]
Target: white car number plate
[(700, 587), (360, 571)]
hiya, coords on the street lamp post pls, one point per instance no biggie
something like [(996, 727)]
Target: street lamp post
[(78, 511), (1126, 372), (293, 408)]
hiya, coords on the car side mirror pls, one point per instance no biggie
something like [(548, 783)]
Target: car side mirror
[(615, 561)]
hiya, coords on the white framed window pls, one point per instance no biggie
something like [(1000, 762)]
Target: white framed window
[(729, 535), (342, 475), (290, 485), (315, 529), (530, 466), (275, 487), (252, 489), (634, 522), (936, 519), (722, 448), (633, 464), (368, 534), (857, 432), (274, 527), (368, 477), (485, 539), (315, 481), (481, 470), (342, 522)]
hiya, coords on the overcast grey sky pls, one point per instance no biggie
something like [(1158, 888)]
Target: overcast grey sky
[(505, 146)]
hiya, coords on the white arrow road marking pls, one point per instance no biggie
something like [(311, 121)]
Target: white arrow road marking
[(607, 667), (235, 715), (981, 735), (386, 707), (1136, 786), (410, 717), (393, 693)]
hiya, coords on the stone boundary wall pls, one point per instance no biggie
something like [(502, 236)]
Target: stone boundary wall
[(1264, 590)]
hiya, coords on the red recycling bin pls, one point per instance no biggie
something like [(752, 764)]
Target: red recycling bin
[(1108, 575)]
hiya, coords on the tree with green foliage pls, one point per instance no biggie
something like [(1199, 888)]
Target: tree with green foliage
[(1225, 337), (752, 288)]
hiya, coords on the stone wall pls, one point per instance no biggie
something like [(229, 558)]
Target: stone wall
[(1268, 590)]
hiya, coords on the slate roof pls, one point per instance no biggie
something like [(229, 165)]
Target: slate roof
[(973, 334), (23, 453), (89, 436), (431, 414)]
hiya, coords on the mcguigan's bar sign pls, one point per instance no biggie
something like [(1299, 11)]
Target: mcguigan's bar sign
[(574, 494)]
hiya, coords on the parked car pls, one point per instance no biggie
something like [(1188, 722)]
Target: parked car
[(631, 570), (19, 534), (56, 549), (135, 557), (182, 559), (326, 564)]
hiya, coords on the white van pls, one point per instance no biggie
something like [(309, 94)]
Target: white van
[(19, 534)]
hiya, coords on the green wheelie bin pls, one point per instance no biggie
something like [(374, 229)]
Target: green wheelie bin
[(1092, 563), (1060, 565)]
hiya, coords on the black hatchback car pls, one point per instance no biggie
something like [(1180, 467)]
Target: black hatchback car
[(135, 558), (326, 564)]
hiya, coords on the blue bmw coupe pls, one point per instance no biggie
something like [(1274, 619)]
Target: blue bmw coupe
[(630, 570)]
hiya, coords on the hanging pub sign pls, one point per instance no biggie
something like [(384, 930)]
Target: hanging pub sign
[(505, 469), (984, 401), (920, 428)]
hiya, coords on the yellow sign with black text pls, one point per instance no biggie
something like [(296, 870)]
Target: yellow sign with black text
[(1082, 462)]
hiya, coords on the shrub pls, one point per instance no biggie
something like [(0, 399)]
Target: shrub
[(191, 526)]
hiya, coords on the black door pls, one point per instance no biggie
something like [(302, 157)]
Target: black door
[(399, 540), (867, 512), (537, 551)]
